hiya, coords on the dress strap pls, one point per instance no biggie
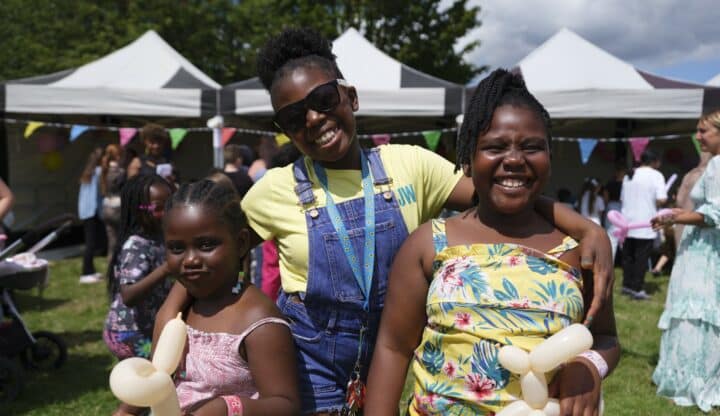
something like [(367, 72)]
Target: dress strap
[(567, 244), (259, 323), (439, 235)]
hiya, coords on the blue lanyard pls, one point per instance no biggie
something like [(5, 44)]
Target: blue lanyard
[(364, 279)]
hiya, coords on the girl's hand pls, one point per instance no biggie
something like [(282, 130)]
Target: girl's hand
[(213, 407), (668, 219), (595, 255), (577, 387)]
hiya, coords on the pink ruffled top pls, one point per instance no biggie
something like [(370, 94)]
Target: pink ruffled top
[(213, 366)]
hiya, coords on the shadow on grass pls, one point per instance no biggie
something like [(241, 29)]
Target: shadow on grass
[(76, 339), (79, 376), (29, 300), (651, 359)]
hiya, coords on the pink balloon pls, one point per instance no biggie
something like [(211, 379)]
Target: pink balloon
[(622, 226)]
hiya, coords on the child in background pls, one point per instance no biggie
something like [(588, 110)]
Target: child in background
[(592, 204), (137, 272), (239, 347), (497, 274), (89, 207)]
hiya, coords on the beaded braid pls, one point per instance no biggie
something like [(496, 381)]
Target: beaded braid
[(501, 87)]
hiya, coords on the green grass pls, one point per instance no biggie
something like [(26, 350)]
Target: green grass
[(76, 312)]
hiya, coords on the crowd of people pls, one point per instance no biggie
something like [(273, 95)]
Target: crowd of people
[(308, 288)]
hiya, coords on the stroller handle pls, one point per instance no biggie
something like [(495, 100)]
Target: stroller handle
[(63, 222)]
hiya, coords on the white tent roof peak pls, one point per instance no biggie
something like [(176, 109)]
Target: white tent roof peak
[(567, 61), (714, 81), (364, 65), (146, 63)]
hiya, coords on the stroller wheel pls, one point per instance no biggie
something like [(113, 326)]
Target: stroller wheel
[(47, 353), (11, 380)]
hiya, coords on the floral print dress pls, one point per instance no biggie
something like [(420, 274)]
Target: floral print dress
[(483, 297), (133, 325)]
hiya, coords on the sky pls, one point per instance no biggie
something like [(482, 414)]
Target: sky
[(671, 38)]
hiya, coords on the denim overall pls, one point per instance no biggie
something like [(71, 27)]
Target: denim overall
[(327, 318)]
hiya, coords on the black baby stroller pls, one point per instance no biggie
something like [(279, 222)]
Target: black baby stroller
[(36, 350)]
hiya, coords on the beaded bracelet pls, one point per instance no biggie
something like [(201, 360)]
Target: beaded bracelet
[(234, 405), (597, 360)]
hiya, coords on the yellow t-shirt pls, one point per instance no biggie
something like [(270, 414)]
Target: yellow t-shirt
[(422, 182)]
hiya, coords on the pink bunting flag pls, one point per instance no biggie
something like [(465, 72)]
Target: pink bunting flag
[(126, 134), (380, 139), (638, 145), (227, 134)]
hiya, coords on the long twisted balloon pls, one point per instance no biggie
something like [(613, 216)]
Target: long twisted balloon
[(139, 382), (532, 367)]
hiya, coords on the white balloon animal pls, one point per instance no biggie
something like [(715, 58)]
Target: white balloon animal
[(532, 367), (139, 382)]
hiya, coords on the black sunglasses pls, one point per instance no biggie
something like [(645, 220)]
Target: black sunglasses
[(323, 98)]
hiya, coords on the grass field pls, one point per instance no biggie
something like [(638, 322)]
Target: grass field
[(76, 312)]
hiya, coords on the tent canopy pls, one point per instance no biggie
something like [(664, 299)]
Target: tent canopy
[(386, 87), (583, 86), (714, 81), (147, 77)]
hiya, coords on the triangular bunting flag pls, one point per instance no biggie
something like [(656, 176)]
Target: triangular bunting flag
[(586, 148), (126, 134), (432, 138), (281, 139), (31, 127), (76, 131), (176, 137), (696, 143), (638, 145), (227, 134), (380, 139)]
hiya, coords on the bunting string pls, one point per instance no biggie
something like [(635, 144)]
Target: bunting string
[(32, 125)]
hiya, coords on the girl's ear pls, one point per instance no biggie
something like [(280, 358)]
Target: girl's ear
[(353, 97)]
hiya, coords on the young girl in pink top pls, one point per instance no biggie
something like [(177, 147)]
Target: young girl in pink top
[(240, 356)]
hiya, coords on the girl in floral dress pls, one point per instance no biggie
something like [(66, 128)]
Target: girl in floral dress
[(497, 274), (137, 273)]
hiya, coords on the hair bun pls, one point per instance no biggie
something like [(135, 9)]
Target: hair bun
[(291, 44)]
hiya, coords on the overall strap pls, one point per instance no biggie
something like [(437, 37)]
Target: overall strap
[(303, 186), (376, 167), (439, 235)]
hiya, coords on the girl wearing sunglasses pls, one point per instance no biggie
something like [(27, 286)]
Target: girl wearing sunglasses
[(340, 213)]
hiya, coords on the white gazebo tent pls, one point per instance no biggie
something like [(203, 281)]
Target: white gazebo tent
[(714, 81), (387, 88), (590, 92), (147, 80)]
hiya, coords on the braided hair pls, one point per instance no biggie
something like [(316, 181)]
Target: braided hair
[(216, 196), (501, 87), (134, 219), (294, 48)]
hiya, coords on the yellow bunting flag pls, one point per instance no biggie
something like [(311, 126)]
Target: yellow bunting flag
[(281, 139), (31, 127)]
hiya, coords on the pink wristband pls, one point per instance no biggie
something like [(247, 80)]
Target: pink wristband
[(234, 405), (597, 360)]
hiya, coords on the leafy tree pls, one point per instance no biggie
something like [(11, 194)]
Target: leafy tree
[(222, 37)]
